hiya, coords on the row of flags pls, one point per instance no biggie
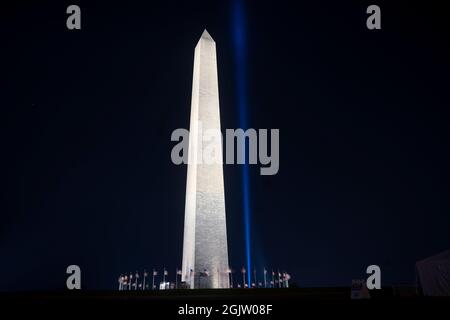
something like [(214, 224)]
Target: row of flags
[(133, 281), (146, 280), (276, 279)]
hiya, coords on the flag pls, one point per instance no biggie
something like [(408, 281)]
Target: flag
[(179, 272), (145, 273), (137, 275), (166, 273), (229, 270), (243, 270), (287, 276), (265, 271), (155, 273)]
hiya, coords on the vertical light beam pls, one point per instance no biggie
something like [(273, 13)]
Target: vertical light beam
[(240, 56)]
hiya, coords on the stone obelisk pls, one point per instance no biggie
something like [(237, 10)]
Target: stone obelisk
[(205, 252)]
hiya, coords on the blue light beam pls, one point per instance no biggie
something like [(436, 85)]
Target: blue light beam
[(240, 56)]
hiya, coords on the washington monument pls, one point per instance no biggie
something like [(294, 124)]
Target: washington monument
[(205, 252)]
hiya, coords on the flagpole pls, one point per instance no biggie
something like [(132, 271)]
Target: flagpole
[(164, 277), (176, 278), (265, 272), (131, 281), (279, 284), (254, 276), (153, 280), (273, 280), (231, 275), (145, 275)]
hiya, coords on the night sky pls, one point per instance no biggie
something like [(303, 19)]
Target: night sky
[(86, 118)]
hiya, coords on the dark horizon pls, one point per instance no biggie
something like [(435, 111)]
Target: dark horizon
[(87, 117)]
